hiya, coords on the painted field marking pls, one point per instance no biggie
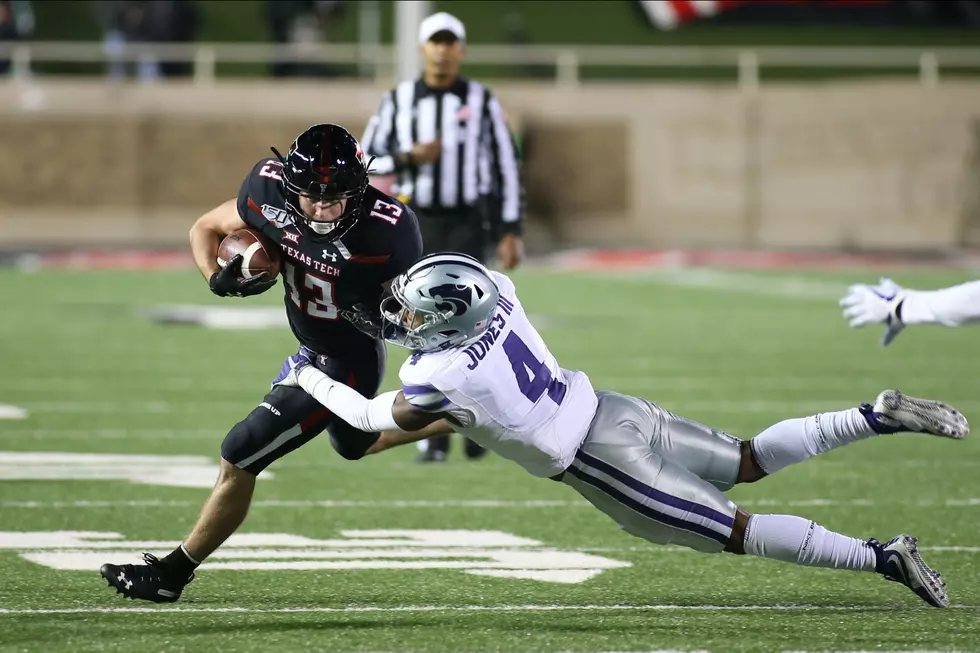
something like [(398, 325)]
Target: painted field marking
[(175, 471), (461, 503), (489, 608), (276, 503), (481, 553), (12, 412)]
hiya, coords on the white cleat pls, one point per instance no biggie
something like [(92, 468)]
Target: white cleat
[(894, 412), (899, 561)]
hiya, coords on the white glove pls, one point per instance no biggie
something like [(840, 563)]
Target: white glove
[(864, 305)]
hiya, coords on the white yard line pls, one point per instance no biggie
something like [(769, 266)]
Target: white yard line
[(274, 503), (8, 411), (114, 434), (793, 287), (728, 406), (460, 503), (476, 608), (137, 407), (788, 407), (681, 549)]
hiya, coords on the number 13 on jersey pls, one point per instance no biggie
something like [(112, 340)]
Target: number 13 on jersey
[(313, 296)]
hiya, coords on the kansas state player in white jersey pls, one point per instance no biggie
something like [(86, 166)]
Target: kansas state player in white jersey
[(504, 390), (479, 367), (896, 307)]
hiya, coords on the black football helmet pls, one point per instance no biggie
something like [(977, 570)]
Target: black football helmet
[(325, 163)]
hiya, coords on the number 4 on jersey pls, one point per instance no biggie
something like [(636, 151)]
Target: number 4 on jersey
[(524, 364)]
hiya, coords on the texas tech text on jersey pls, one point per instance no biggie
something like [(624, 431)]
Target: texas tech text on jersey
[(323, 277)]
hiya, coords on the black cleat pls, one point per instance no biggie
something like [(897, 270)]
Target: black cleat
[(899, 560), (153, 581)]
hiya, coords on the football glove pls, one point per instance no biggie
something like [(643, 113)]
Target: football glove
[(366, 320), (881, 304), (228, 281), (289, 372)]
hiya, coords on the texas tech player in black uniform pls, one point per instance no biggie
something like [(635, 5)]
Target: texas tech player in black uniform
[(332, 280), (340, 241)]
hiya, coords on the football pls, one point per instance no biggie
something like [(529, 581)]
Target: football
[(258, 254)]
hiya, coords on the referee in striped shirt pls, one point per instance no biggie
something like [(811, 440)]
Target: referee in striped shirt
[(446, 140)]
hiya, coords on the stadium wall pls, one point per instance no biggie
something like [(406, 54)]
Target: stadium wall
[(882, 164)]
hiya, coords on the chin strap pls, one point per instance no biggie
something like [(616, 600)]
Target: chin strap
[(367, 166), (343, 226)]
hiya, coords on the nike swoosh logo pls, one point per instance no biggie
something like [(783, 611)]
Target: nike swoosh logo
[(899, 562)]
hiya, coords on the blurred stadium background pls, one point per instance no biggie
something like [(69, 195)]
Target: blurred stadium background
[(703, 179), (802, 125)]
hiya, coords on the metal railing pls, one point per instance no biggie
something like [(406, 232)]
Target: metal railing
[(568, 61)]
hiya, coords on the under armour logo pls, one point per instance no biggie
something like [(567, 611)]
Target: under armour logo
[(122, 579), (330, 255)]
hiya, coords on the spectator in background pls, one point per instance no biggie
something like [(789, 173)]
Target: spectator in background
[(146, 21), (183, 29), (16, 22), (446, 139), (303, 22), (516, 33)]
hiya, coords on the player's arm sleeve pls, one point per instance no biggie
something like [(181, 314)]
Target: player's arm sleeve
[(426, 397), (430, 399), (369, 415), (954, 306), (507, 170), (379, 138)]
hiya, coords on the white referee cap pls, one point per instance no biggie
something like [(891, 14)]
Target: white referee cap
[(441, 22)]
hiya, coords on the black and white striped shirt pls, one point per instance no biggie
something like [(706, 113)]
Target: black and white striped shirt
[(478, 157)]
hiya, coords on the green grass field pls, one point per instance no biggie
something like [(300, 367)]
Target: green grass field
[(737, 350)]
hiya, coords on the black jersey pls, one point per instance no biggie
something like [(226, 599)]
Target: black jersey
[(323, 277)]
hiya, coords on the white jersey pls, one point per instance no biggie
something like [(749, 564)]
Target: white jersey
[(507, 391)]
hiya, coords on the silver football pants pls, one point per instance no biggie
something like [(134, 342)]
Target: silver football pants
[(659, 475)]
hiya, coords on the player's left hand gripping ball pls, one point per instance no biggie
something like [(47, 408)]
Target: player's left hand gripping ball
[(228, 281)]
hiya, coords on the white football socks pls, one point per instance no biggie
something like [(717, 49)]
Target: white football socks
[(803, 542), (795, 440)]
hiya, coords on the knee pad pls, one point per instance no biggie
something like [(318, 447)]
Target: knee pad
[(234, 448), (247, 438)]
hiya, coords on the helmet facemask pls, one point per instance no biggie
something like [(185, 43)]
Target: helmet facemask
[(297, 183), (405, 325), (443, 301)]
